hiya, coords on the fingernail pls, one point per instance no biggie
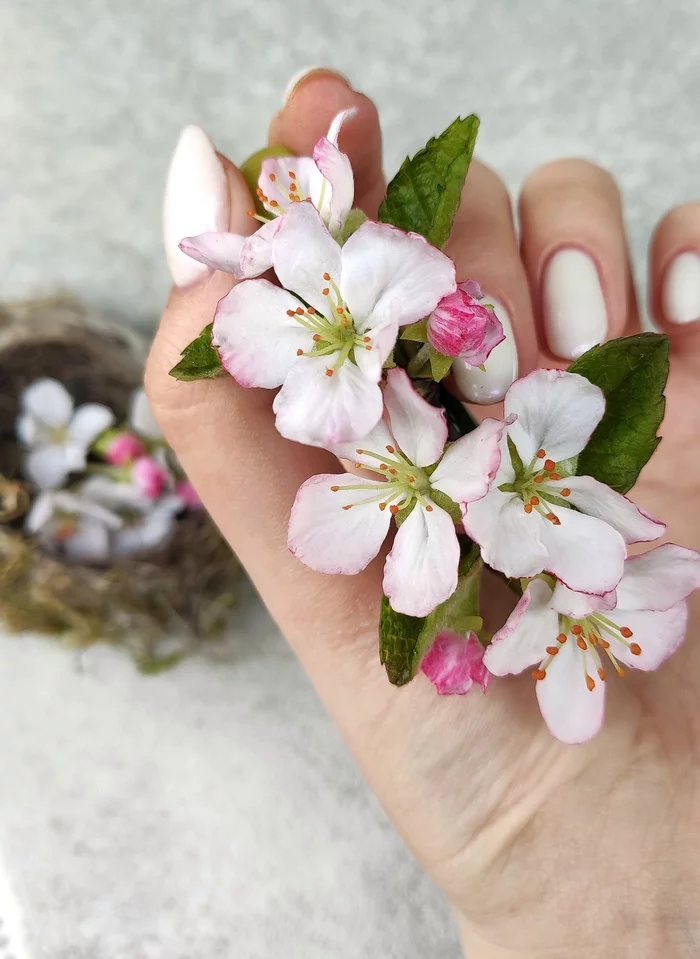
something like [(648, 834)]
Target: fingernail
[(501, 368), (681, 291), (196, 201), (301, 75), (575, 317)]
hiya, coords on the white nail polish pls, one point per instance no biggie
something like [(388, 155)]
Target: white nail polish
[(575, 317), (196, 201), (681, 290), (302, 74), (490, 385)]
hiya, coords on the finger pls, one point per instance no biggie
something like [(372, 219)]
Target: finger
[(575, 252), (674, 273), (484, 248), (312, 102)]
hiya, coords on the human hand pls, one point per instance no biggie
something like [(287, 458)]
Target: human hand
[(542, 849)]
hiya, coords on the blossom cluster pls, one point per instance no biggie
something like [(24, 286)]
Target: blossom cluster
[(102, 492), (327, 334)]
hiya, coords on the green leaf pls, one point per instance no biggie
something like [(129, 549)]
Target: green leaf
[(404, 640), (416, 332), (632, 373), (200, 361), (440, 365), (425, 194), (252, 167)]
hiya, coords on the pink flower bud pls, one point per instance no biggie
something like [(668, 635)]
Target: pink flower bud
[(461, 326), (149, 477), (188, 494), (123, 449), (454, 663)]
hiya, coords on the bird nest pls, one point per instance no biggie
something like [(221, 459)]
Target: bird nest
[(158, 605)]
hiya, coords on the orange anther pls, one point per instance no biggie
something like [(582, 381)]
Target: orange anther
[(603, 642), (601, 673), (394, 509), (390, 449), (636, 649), (325, 291), (553, 519), (291, 313), (552, 650), (300, 311), (539, 478), (334, 489), (292, 175), (590, 682), (300, 352), (293, 188), (260, 192), (549, 465), (620, 670), (382, 506), (273, 202), (566, 491), (348, 506), (273, 176), (534, 501), (359, 452), (554, 476), (541, 454), (393, 472), (383, 467), (626, 632), (576, 630), (428, 508), (411, 479), (250, 213), (527, 508), (316, 337), (311, 311), (291, 196), (340, 309), (369, 348), (538, 674), (329, 372), (561, 638), (366, 339), (326, 276), (581, 642)]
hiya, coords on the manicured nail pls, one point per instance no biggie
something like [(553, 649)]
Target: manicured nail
[(681, 291), (501, 368), (301, 75), (575, 318), (196, 201)]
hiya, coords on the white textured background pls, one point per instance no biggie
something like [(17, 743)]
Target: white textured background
[(213, 811)]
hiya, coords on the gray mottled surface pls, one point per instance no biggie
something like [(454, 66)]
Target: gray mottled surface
[(213, 811)]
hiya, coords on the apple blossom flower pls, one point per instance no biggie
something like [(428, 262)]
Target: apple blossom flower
[(525, 524), (454, 663), (339, 522), (325, 336), (461, 326), (575, 639), (150, 476), (326, 179), (57, 436), (72, 525)]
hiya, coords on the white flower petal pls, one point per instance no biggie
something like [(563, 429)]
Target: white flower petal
[(141, 418), (303, 251), (27, 429), (470, 465), (257, 340), (47, 467), (218, 251), (322, 410), (572, 712), (256, 253), (382, 341), (376, 441), (419, 428), (89, 421), (331, 539), (49, 402), (579, 605), (421, 570), (388, 272), (337, 123), (587, 554), (659, 579), (89, 543), (556, 412), (596, 499), (530, 628), (337, 170), (40, 512), (659, 634), (151, 532), (510, 539)]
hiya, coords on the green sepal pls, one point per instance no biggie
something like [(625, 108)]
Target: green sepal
[(440, 365), (444, 502), (416, 332), (425, 194), (632, 373), (515, 458), (404, 513), (200, 361), (252, 167), (353, 222)]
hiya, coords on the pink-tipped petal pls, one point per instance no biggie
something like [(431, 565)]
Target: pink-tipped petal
[(366, 450), (321, 410), (510, 540), (331, 539), (149, 477), (597, 499), (579, 605), (387, 272), (461, 326), (556, 412), (304, 254), (419, 428), (469, 466), (573, 712), (257, 340), (123, 449), (454, 663), (530, 628), (337, 170), (584, 552), (421, 570), (219, 251), (256, 253), (659, 579), (655, 635)]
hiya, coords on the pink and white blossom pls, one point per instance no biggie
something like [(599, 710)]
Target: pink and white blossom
[(57, 436), (326, 180), (461, 326), (576, 640), (325, 336), (454, 663), (525, 524), (124, 448), (339, 521), (150, 476), (72, 526)]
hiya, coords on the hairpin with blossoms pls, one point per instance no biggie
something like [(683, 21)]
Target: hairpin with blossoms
[(357, 333)]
